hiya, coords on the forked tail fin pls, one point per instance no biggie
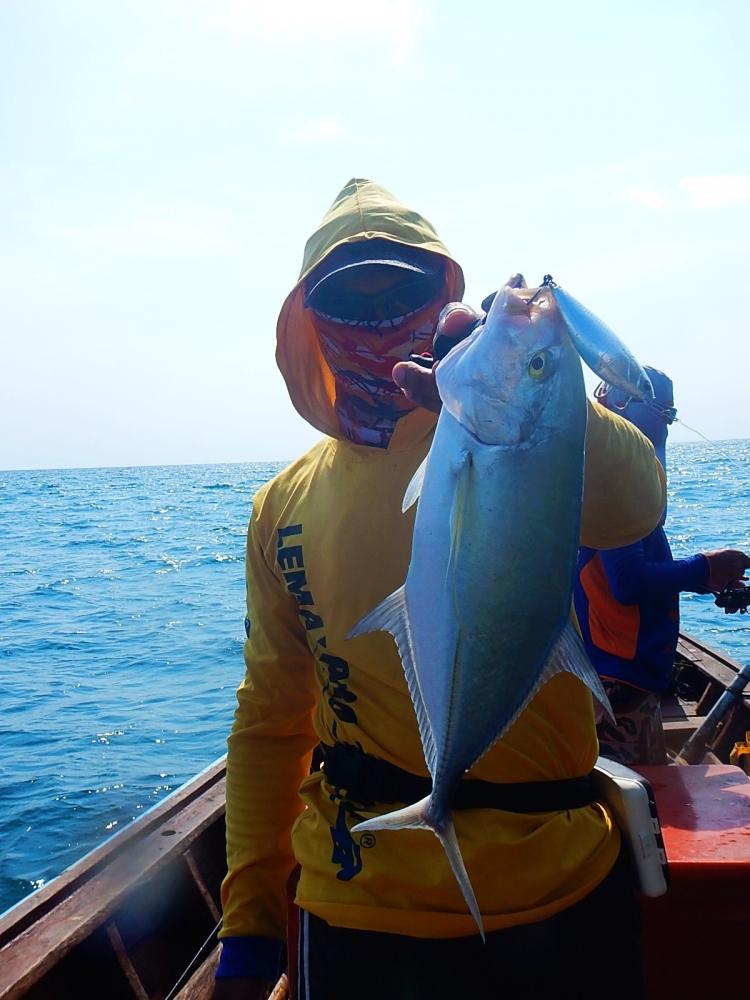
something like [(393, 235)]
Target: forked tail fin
[(415, 817)]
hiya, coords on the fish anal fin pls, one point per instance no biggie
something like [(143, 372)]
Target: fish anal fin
[(413, 817), (569, 655)]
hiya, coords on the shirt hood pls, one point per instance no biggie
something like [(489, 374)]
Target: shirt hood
[(362, 210)]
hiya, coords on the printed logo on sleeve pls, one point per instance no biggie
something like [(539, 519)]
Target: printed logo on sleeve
[(291, 562)]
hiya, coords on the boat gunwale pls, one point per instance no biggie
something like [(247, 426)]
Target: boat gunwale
[(29, 910)]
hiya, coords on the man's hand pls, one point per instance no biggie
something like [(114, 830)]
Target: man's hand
[(417, 383), (726, 568)]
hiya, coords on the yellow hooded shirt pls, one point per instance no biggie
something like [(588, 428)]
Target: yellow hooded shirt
[(327, 542)]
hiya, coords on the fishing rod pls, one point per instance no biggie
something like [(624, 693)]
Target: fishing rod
[(733, 599), (695, 748)]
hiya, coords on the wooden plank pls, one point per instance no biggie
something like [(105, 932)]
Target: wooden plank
[(281, 990), (55, 931), (201, 983), (673, 708), (126, 965), (682, 725), (718, 666), (720, 669), (677, 733), (202, 887)]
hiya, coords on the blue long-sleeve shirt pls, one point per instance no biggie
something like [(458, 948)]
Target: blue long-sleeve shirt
[(627, 603)]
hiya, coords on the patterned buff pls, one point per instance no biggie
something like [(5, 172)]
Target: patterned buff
[(361, 357)]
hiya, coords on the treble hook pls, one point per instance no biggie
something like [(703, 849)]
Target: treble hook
[(547, 282)]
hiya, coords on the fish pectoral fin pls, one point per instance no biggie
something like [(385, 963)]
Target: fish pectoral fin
[(569, 655), (392, 615), (414, 489), (458, 510), (414, 817)]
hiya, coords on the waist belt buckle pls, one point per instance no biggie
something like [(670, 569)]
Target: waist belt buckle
[(342, 765)]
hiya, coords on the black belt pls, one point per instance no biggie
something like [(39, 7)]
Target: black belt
[(366, 780)]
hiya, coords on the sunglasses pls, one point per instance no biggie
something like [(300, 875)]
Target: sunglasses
[(667, 413)]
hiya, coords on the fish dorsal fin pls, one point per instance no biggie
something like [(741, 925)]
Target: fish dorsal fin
[(392, 615), (414, 489)]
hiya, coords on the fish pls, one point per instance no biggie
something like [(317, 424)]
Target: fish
[(600, 347), (498, 497)]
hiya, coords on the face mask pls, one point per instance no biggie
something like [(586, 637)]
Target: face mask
[(361, 358)]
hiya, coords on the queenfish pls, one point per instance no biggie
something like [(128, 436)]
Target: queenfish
[(498, 503)]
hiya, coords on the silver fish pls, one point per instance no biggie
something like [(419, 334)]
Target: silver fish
[(499, 498), (600, 347)]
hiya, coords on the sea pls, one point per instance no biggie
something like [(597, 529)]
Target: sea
[(121, 627)]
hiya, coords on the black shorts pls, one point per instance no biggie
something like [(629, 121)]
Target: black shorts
[(590, 950)]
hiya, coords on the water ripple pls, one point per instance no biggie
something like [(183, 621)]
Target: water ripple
[(121, 609)]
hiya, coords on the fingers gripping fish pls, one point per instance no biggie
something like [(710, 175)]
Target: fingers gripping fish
[(499, 496)]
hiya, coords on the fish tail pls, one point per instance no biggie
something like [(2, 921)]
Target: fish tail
[(417, 817), (449, 840)]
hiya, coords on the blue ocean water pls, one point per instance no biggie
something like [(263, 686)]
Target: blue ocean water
[(121, 610)]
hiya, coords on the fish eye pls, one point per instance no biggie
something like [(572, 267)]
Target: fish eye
[(540, 364)]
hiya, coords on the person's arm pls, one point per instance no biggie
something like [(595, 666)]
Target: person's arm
[(634, 579), (269, 753)]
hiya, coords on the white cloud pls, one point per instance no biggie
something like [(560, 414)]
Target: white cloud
[(165, 232), (717, 191), (693, 193), (644, 196), (393, 24), (617, 269), (316, 130)]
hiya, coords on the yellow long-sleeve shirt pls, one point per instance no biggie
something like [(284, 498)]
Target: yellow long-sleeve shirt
[(327, 542)]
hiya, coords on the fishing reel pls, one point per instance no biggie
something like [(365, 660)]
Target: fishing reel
[(733, 600)]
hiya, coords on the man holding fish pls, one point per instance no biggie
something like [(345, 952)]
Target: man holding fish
[(484, 675)]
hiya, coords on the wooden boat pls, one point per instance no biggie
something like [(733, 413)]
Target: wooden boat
[(138, 916)]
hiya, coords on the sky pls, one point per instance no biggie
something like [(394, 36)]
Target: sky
[(162, 163)]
